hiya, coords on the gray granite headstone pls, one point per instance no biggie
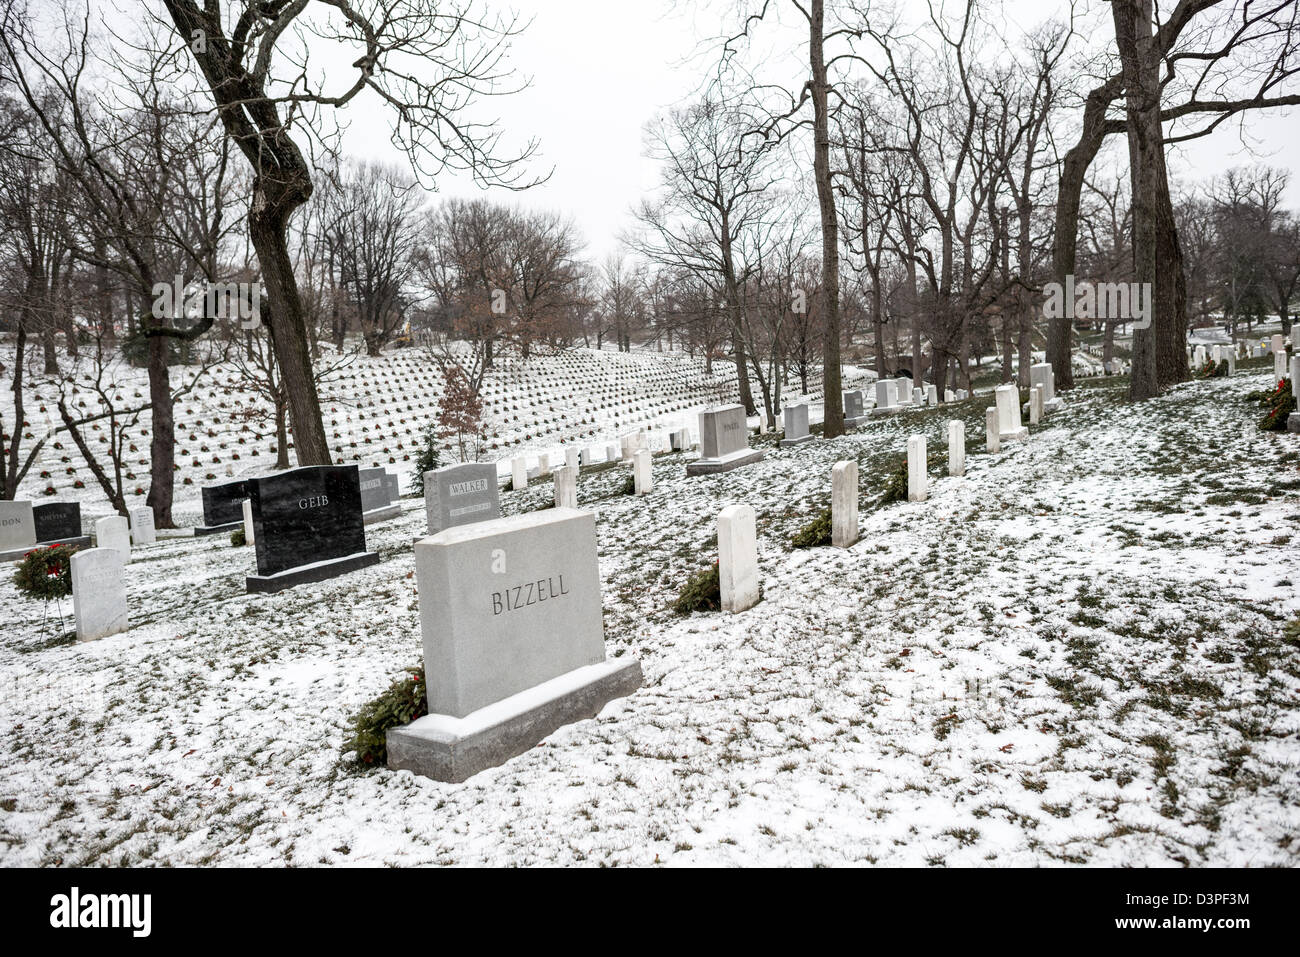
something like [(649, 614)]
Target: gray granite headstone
[(373, 493), (795, 422), (724, 442), (506, 605), (17, 525), (461, 494)]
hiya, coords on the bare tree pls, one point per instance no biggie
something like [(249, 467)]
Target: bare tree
[(426, 60)]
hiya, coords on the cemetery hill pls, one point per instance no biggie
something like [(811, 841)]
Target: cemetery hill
[(906, 503)]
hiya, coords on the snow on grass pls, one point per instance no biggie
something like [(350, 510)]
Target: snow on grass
[(1072, 655)]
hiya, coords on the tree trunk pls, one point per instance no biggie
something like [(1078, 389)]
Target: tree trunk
[(162, 442), (1146, 151), (833, 398), (266, 228)]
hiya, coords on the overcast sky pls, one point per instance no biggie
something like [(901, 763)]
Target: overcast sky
[(600, 69)]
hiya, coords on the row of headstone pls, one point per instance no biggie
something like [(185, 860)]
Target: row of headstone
[(24, 526)]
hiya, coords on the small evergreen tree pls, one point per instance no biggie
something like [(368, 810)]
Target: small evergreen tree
[(427, 459)]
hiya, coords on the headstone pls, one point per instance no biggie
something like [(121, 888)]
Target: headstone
[(586, 457), (844, 504), (375, 490), (886, 397), (143, 530), (949, 395), (738, 558), (962, 395), (1042, 374), (571, 455), (222, 510), (904, 386), (1232, 363), (931, 395), (511, 617), (611, 453), (854, 413), (391, 487), (1010, 428), (795, 421), (543, 466), (99, 593), (916, 468), (956, 447), (630, 444), (308, 526), (57, 522), (918, 397), (566, 487), (1198, 357), (519, 473), (762, 422), (250, 529), (112, 531), (642, 477), (994, 435), (1036, 405), (1295, 374), (460, 494), (17, 526), (724, 442)]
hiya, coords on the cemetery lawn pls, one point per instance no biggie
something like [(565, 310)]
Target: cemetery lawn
[(1077, 654)]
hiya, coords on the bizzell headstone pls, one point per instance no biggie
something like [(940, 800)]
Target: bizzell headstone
[(513, 641), (461, 494), (308, 526)]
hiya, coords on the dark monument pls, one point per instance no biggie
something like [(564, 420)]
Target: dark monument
[(223, 507), (58, 522), (308, 526)]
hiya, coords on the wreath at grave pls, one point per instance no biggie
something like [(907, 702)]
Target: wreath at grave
[(402, 703), (46, 573), (1279, 403)]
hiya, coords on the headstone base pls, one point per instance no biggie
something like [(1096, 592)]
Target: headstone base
[(786, 443), (16, 554), (306, 574), (444, 748), (381, 514), (724, 463), (1293, 422), (218, 529)]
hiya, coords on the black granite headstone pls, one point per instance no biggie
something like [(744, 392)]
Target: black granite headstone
[(223, 504), (57, 521), (306, 515)]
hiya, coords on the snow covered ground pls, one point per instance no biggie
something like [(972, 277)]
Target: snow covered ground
[(1075, 654)]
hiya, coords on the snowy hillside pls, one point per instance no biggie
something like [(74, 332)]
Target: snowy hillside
[(1074, 654)]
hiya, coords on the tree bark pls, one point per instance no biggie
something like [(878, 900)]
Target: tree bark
[(833, 398)]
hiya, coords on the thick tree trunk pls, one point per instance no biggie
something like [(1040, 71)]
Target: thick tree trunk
[(266, 228), (162, 442), (12, 476), (833, 397), (1146, 154)]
